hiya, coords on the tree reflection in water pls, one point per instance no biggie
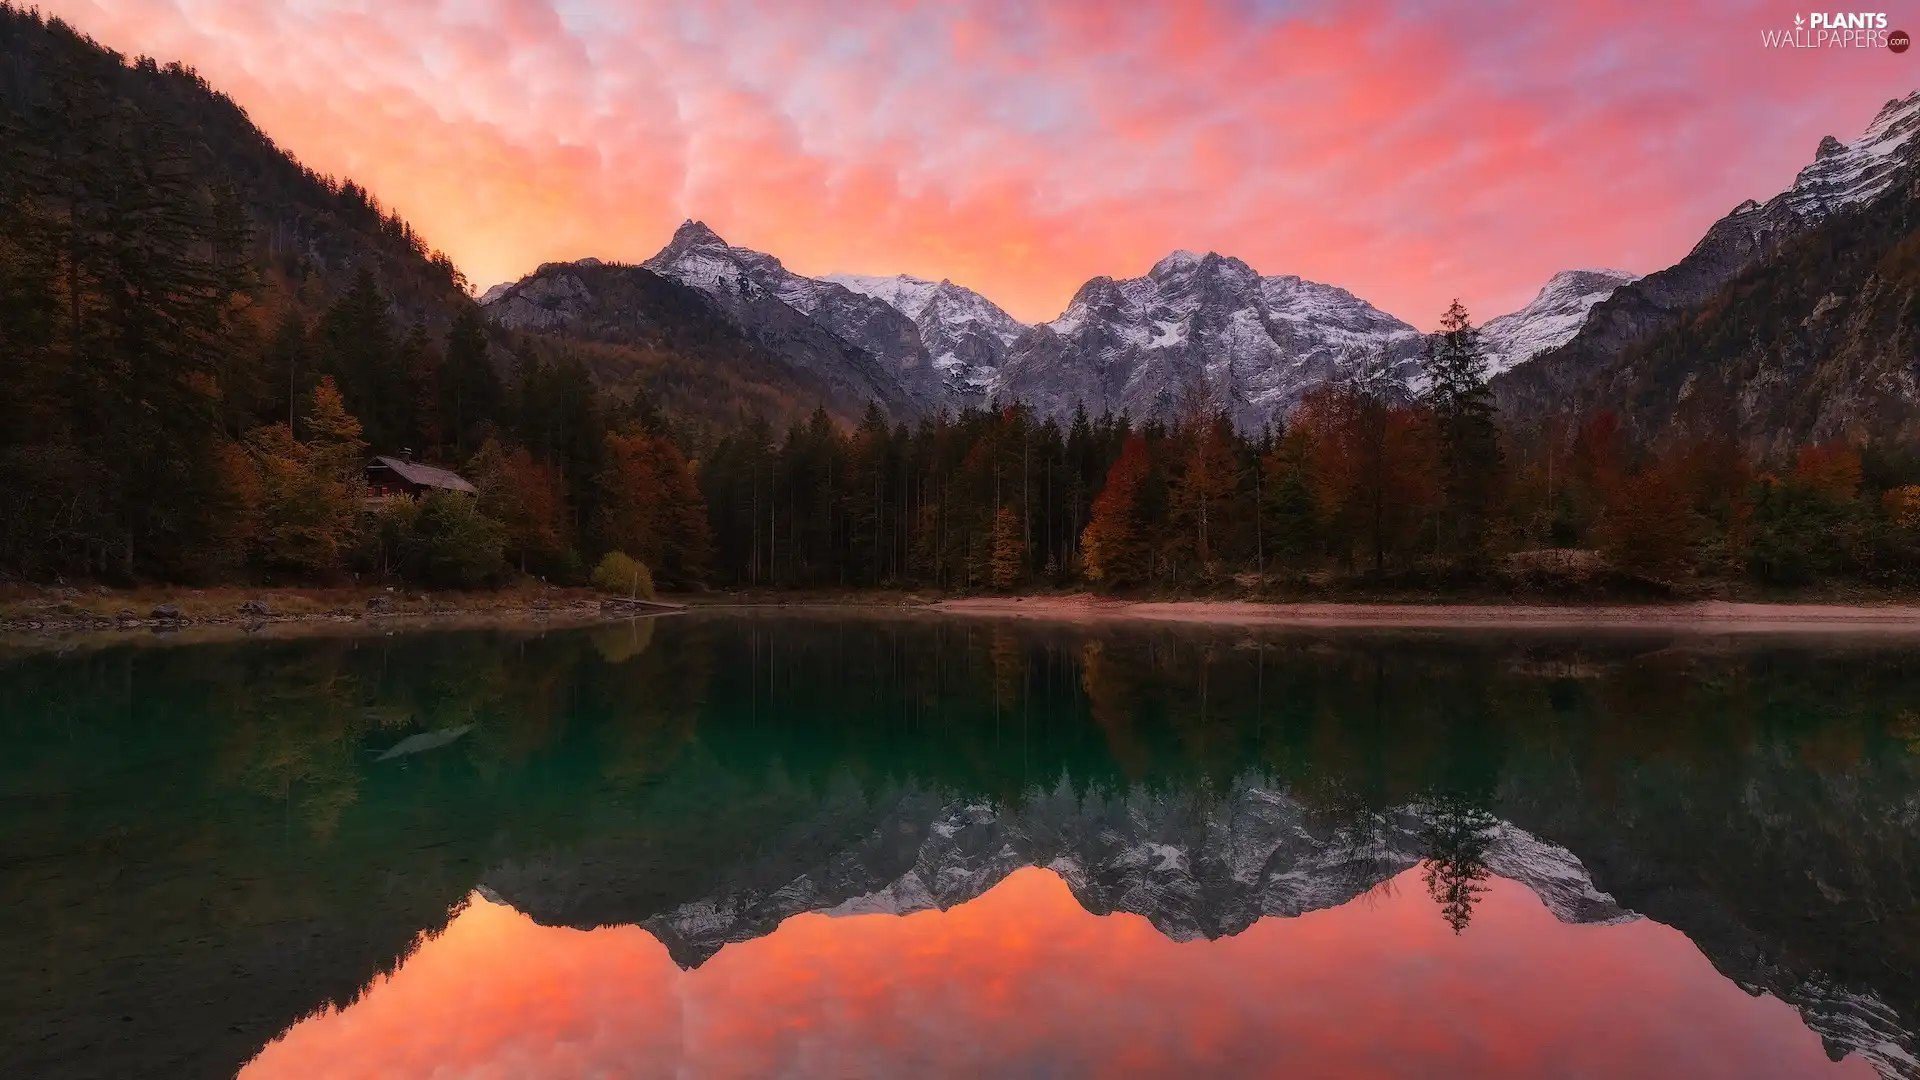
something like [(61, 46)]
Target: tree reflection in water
[(218, 816), (1453, 848)]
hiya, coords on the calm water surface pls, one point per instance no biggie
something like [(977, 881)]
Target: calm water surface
[(755, 846)]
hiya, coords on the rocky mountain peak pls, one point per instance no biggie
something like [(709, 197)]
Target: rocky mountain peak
[(1175, 263), (966, 336), (1552, 318), (697, 256), (1143, 344), (693, 233), (1842, 174)]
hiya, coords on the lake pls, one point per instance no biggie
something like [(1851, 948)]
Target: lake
[(861, 846)]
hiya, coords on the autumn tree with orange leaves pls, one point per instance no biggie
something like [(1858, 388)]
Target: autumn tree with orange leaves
[(1113, 548), (650, 506)]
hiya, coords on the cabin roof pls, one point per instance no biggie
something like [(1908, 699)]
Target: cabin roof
[(429, 476)]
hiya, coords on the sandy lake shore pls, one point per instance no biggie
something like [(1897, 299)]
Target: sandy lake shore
[(48, 621), (1717, 617)]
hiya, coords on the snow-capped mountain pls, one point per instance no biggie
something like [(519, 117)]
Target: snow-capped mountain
[(967, 334), (1550, 319), (1844, 174), (757, 352), (1727, 394), (1200, 323), (766, 299), (1208, 323)]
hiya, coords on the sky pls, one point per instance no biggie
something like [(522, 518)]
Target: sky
[(1409, 152), (1023, 981)]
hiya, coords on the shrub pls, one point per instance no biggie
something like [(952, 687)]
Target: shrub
[(460, 548), (388, 547), (620, 573), (1648, 527)]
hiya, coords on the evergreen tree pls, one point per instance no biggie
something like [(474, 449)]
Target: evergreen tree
[(363, 358), (1467, 442), (141, 274), (471, 397)]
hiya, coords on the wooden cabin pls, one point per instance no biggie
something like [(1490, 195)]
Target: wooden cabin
[(388, 476)]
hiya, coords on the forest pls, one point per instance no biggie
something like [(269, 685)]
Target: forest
[(201, 350), (1362, 485)]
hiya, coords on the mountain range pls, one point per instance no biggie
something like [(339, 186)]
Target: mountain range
[(1254, 344), (1194, 322)]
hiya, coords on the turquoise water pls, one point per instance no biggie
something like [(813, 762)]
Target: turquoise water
[(720, 846)]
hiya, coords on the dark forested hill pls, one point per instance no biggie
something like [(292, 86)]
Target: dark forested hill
[(1790, 321), (1814, 340), (639, 331), (67, 102), (170, 280)]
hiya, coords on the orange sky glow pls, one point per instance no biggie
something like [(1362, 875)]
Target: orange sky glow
[(1024, 981), (1408, 152)]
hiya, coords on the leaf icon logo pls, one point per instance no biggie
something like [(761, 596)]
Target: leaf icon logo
[(1798, 22)]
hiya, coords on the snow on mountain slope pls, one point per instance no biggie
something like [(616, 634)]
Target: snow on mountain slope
[(1845, 173), (1200, 322), (967, 335), (763, 297), (1871, 384), (1551, 318)]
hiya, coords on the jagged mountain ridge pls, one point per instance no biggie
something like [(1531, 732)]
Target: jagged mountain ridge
[(1255, 344), (1200, 324), (638, 329), (967, 334), (817, 322), (639, 320), (1550, 319), (1599, 367), (1194, 322)]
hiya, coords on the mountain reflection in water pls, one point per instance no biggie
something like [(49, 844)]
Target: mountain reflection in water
[(725, 845), (1023, 981)]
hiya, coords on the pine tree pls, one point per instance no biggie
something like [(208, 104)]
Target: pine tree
[(1467, 442), (471, 397), (364, 360), (1207, 477)]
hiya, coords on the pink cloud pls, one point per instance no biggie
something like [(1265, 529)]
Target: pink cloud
[(1408, 152)]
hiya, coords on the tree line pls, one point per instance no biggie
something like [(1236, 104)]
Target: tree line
[(1364, 481), (190, 393)]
